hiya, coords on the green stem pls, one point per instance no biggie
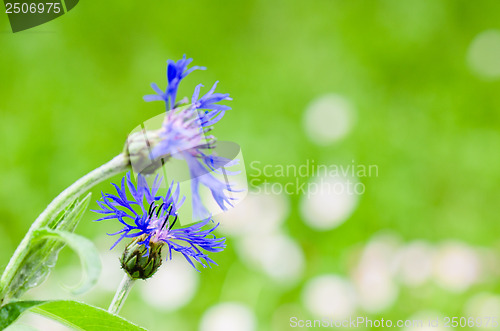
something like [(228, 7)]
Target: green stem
[(121, 294), (107, 170)]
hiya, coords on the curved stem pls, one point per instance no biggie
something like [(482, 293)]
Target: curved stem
[(107, 170), (121, 294)]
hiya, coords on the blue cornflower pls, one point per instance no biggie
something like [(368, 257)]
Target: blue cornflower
[(176, 71), (153, 227), (184, 135), (209, 100)]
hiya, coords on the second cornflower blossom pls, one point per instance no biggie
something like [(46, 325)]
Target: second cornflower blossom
[(150, 220)]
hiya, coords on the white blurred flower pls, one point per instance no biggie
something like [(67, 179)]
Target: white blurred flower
[(481, 306), (277, 255), (490, 262), (257, 213), (456, 266), (328, 202), (328, 118), (375, 288), (484, 54), (374, 275), (414, 263), (228, 316), (172, 287), (329, 296)]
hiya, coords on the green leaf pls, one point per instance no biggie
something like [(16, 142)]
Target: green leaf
[(10, 312), (21, 327), (89, 256), (71, 313), (42, 254)]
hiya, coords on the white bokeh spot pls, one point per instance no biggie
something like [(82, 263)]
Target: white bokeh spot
[(375, 272), (414, 263), (228, 316), (329, 202), (328, 118), (483, 305), (456, 266), (172, 287), (329, 296), (277, 255), (258, 213), (484, 54)]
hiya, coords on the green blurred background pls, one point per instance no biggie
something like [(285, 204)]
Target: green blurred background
[(422, 80)]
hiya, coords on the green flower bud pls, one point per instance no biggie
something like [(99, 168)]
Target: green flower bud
[(135, 262), (138, 148)]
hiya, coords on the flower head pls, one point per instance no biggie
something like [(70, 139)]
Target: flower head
[(185, 135), (154, 226), (176, 71), (209, 100)]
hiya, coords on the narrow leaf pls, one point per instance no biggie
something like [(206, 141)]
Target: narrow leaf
[(43, 254), (89, 256), (71, 313)]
